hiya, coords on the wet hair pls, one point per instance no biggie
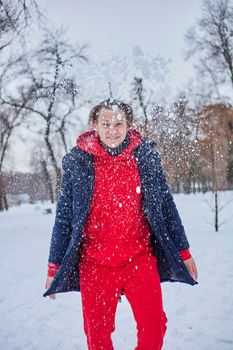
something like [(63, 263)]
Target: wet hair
[(111, 104)]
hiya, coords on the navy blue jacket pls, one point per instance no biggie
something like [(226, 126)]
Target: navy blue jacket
[(167, 232)]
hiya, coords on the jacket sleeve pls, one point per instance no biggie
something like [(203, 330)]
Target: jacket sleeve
[(62, 227), (171, 216)]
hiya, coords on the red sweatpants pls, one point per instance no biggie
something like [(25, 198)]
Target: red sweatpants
[(101, 287)]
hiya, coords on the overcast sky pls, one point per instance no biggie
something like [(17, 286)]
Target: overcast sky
[(157, 26)]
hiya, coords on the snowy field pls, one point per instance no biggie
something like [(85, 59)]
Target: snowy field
[(199, 317)]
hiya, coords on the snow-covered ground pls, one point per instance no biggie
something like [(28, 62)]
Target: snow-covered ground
[(199, 317)]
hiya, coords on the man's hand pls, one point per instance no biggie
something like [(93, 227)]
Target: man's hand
[(48, 284), (192, 269)]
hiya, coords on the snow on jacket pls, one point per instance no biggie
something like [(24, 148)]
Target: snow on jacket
[(167, 235)]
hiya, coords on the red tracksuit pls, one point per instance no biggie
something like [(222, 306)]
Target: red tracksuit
[(116, 254)]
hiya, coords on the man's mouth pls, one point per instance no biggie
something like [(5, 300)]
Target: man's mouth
[(112, 138)]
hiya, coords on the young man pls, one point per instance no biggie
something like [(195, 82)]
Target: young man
[(117, 230)]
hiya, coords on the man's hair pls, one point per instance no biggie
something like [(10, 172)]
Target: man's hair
[(111, 104)]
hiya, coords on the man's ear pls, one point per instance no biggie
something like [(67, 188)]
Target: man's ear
[(129, 125)]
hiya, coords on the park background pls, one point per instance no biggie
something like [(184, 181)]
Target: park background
[(173, 61)]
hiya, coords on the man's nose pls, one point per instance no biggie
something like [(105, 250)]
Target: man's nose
[(112, 130)]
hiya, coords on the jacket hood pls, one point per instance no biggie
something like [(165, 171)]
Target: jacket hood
[(89, 142)]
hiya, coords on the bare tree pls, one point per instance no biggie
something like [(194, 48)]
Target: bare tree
[(10, 119), (49, 92), (174, 130), (215, 137), (211, 41), (15, 16), (138, 92)]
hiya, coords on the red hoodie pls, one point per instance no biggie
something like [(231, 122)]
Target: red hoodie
[(116, 231)]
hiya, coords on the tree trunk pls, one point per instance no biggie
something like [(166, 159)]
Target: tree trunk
[(48, 180), (3, 199), (54, 164)]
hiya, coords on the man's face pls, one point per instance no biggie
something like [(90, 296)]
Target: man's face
[(111, 126)]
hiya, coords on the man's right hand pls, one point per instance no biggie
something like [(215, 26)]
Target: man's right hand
[(47, 286)]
